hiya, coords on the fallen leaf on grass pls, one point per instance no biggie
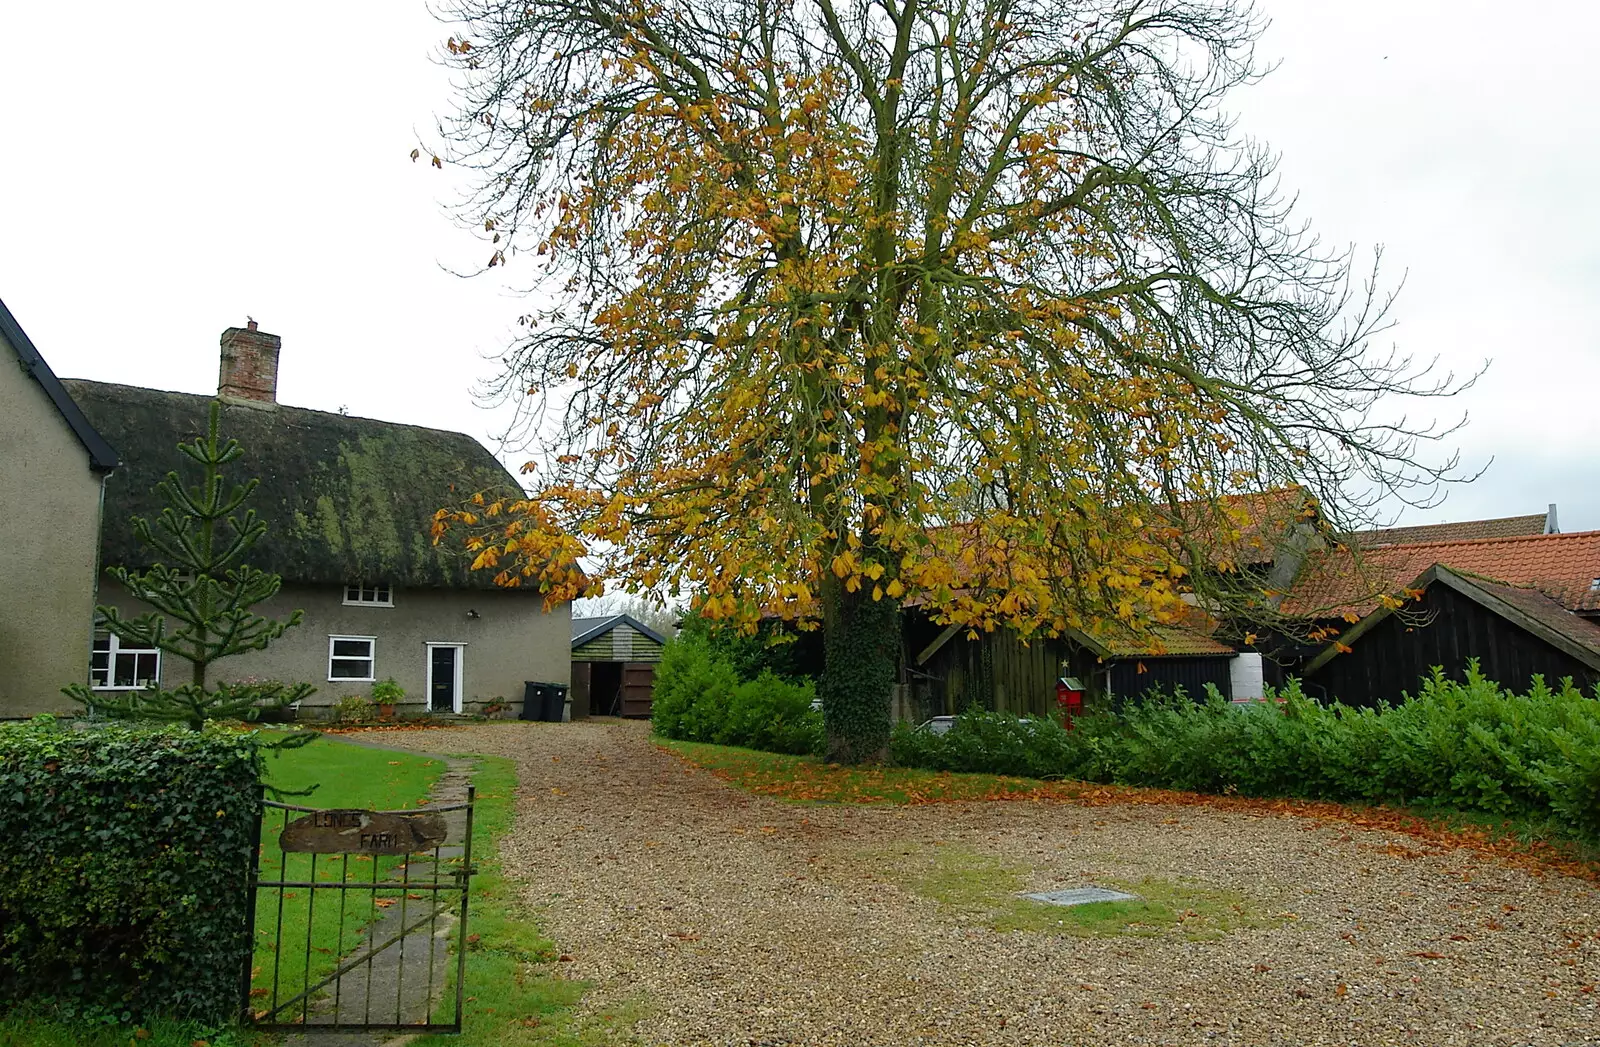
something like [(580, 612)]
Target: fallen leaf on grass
[(414, 897), (383, 903), (259, 992)]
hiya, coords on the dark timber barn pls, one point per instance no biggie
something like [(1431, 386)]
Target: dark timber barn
[(1514, 633)]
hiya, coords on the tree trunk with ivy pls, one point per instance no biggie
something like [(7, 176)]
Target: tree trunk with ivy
[(848, 302)]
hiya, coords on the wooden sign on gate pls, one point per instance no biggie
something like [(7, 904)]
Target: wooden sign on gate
[(349, 831)]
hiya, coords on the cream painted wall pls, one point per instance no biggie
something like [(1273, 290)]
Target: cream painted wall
[(49, 544), (511, 641)]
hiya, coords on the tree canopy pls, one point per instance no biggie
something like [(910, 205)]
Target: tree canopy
[(982, 304)]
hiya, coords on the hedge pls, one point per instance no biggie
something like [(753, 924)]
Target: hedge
[(126, 857), (1464, 745)]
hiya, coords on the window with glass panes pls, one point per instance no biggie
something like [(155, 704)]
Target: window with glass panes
[(377, 594), (115, 667), (351, 657)]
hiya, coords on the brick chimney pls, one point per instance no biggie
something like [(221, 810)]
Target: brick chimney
[(249, 365)]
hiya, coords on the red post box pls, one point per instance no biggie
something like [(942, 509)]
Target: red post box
[(1069, 697)]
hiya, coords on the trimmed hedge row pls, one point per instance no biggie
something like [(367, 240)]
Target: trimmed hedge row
[(698, 697), (1466, 745), (126, 857)]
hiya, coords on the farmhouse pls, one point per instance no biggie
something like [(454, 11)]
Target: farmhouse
[(52, 465), (348, 504), (613, 666)]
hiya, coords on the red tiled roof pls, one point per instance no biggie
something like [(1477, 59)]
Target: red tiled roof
[(1563, 567), (1461, 530)]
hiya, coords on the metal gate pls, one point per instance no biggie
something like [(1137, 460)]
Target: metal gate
[(368, 887)]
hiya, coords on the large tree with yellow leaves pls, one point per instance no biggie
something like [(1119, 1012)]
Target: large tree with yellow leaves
[(843, 304)]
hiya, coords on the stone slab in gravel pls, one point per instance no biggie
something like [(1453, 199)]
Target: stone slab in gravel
[(742, 920)]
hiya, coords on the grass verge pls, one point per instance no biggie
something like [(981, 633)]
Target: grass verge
[(515, 993), (806, 779), (982, 887)]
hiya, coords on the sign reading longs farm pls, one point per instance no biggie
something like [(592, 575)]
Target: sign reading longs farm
[(349, 831)]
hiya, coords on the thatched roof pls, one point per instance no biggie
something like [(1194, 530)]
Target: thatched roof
[(344, 499)]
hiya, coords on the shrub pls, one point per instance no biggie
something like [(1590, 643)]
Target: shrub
[(125, 878), (1465, 745), (699, 697), (773, 714)]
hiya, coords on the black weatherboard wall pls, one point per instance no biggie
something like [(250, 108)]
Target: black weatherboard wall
[(1396, 654), (1136, 677)]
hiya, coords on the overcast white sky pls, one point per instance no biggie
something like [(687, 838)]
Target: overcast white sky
[(167, 169)]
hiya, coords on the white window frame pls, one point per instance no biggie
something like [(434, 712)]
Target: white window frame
[(371, 659), (461, 674), (115, 649), (378, 594)]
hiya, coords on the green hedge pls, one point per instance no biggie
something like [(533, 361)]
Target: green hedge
[(125, 864), (1465, 745), (698, 697)]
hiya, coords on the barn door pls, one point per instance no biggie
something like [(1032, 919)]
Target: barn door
[(581, 675), (638, 684)]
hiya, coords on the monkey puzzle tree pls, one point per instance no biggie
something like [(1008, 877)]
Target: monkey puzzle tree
[(201, 595), (977, 303)]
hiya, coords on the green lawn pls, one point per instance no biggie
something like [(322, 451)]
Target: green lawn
[(345, 775)]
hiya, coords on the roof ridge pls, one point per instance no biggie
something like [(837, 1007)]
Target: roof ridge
[(1486, 541), (277, 406)]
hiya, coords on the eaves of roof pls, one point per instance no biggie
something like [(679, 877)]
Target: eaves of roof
[(102, 457), (605, 625)]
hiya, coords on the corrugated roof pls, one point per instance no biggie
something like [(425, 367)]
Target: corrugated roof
[(1461, 530), (1563, 567)]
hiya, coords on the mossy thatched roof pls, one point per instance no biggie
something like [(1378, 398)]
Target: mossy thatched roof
[(344, 499)]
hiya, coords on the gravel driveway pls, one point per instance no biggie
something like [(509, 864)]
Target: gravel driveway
[(744, 920)]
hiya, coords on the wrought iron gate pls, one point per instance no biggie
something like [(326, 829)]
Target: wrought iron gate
[(368, 886)]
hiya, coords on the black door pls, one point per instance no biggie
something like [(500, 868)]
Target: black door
[(442, 693)]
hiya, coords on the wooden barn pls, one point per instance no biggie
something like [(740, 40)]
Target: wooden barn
[(945, 672), (613, 666), (1513, 632)]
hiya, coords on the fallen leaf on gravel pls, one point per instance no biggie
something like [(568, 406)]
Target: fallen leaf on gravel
[(1431, 955), (565, 957), (1341, 989), (1461, 937), (682, 936), (1262, 968)]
